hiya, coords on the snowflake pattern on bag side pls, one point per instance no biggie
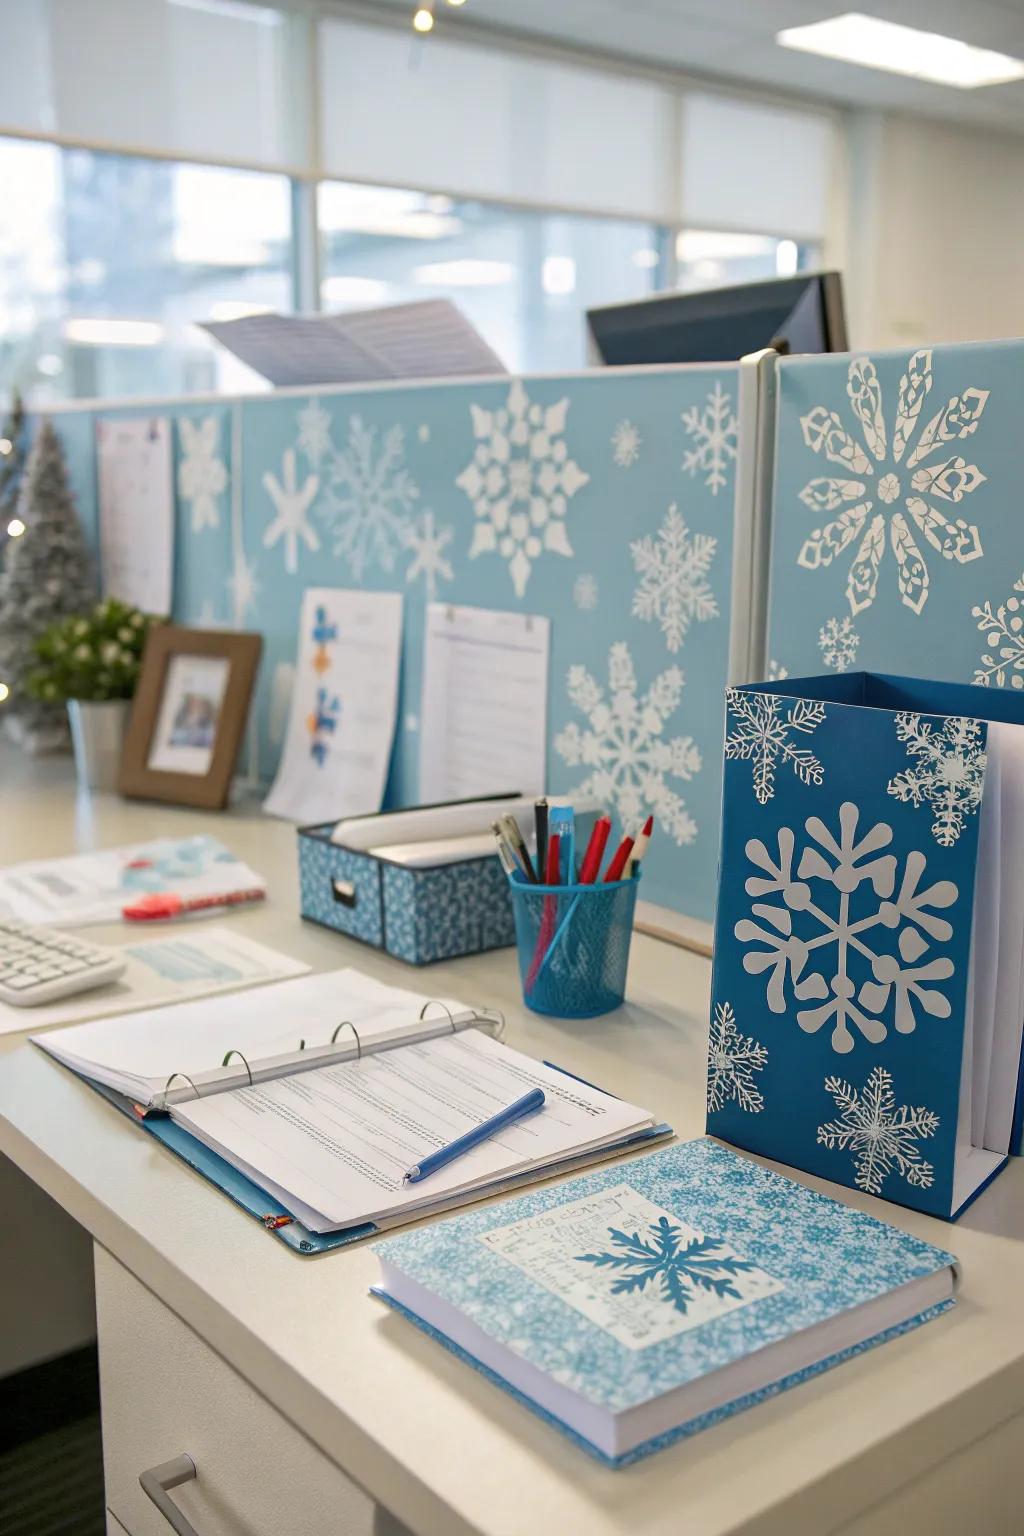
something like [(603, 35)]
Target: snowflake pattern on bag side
[(881, 1134), (1003, 628), (733, 1060), (763, 735), (949, 775)]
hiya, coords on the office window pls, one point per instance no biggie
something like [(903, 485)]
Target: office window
[(524, 278), (107, 261), (709, 259)]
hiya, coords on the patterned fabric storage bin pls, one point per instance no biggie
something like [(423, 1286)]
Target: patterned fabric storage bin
[(418, 915)]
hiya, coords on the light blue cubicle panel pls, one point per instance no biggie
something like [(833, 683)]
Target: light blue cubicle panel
[(604, 501), (897, 523)]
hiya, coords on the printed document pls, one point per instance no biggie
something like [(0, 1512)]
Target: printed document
[(136, 509)]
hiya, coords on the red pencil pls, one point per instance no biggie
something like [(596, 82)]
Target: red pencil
[(550, 910), (640, 846), (618, 863), (595, 850)]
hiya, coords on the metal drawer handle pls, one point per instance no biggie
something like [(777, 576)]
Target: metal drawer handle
[(344, 891), (155, 1483)]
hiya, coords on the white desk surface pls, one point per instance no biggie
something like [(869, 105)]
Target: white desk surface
[(445, 1451)]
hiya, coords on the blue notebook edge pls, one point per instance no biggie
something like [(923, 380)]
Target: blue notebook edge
[(682, 1431)]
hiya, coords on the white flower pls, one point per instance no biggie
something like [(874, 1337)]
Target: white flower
[(126, 658), (82, 627), (83, 652), (138, 619), (126, 635), (109, 652)]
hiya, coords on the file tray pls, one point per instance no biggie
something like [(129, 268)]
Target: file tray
[(417, 914)]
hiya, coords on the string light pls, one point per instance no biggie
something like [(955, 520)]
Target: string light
[(423, 21), (15, 528), (456, 2), (5, 446), (4, 692)]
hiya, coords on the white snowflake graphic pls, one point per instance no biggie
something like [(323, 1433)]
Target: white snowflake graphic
[(243, 587), (623, 744), (838, 642), (763, 724), (776, 671), (520, 481), (626, 444), (1003, 629), (314, 432), (672, 568), (202, 473), (585, 592), (733, 1060), (714, 432), (923, 487), (292, 502), (881, 1135), (872, 973), (208, 617), (950, 772), (369, 498), (427, 544)]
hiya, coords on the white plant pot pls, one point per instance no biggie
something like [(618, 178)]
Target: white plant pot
[(97, 735)]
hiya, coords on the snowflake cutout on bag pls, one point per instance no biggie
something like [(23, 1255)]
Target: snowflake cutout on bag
[(881, 1135), (520, 481), (672, 568), (427, 544), (679, 1270), (762, 735), (732, 1061), (843, 891), (626, 444), (624, 746), (369, 498), (897, 475), (950, 771), (202, 473), (714, 430), (838, 642), (585, 592), (1003, 629)]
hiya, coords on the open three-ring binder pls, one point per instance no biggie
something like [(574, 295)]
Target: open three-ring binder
[(311, 1126)]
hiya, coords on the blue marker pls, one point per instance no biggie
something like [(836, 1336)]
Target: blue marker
[(562, 820), (527, 1105)]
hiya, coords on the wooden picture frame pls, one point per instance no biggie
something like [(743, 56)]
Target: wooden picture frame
[(189, 715)]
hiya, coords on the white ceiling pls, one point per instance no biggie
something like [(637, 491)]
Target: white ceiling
[(735, 39)]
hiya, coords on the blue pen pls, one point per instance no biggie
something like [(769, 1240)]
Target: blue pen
[(527, 1105), (562, 821)]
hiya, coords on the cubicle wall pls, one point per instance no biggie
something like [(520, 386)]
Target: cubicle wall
[(604, 501)]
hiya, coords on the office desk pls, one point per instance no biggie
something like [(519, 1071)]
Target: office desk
[(924, 1434)]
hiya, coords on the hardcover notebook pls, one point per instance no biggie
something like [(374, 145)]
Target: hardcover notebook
[(868, 989), (642, 1303)]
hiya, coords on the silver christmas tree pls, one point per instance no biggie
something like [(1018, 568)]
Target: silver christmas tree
[(47, 576)]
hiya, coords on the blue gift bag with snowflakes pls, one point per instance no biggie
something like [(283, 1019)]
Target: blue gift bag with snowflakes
[(851, 956)]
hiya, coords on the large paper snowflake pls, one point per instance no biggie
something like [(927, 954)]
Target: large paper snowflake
[(713, 430), (291, 502), (898, 475), (881, 1135), (672, 568), (426, 544), (679, 1269), (623, 745), (838, 911), (626, 443), (733, 1060), (369, 497), (202, 473), (1003, 629), (520, 481), (762, 726), (776, 671), (838, 642), (585, 592), (950, 772)]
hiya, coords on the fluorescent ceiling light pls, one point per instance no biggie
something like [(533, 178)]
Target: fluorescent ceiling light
[(558, 274), (645, 258), (858, 39), (467, 273), (114, 333), (354, 290)]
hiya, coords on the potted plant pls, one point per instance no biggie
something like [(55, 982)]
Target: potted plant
[(91, 664)]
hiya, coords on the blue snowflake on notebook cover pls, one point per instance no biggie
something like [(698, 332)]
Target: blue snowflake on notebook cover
[(677, 1266)]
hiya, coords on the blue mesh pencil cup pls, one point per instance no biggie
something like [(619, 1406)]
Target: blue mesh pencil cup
[(573, 943)]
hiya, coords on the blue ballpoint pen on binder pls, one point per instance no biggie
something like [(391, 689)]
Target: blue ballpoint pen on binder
[(527, 1105)]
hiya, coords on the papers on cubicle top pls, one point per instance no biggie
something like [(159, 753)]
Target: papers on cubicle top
[(431, 339), (484, 706), (136, 511), (342, 723)]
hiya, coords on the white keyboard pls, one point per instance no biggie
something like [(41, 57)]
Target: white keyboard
[(40, 965)]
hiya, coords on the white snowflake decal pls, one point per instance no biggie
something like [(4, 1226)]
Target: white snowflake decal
[(923, 487), (519, 481), (881, 1135), (838, 642), (776, 671), (626, 444), (202, 474), (243, 587), (763, 724), (672, 568), (812, 921), (714, 432), (292, 502), (1003, 628), (585, 592), (624, 748), (733, 1060), (950, 772), (314, 432), (427, 544), (369, 498)]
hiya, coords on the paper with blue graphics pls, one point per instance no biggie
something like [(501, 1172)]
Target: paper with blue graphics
[(136, 492), (345, 699)]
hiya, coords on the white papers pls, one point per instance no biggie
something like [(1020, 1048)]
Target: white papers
[(94, 887), (484, 704), (342, 723), (431, 822), (194, 963), (136, 505), (428, 339)]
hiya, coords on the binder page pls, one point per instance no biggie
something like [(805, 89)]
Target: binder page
[(484, 703), (334, 1144), (1007, 743), (136, 505), (981, 992)]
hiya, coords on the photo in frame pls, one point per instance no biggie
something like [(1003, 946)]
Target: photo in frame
[(189, 715)]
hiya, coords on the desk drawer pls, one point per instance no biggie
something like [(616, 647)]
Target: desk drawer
[(165, 1393)]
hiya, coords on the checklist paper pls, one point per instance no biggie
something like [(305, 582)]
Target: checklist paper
[(484, 710), (136, 491)]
